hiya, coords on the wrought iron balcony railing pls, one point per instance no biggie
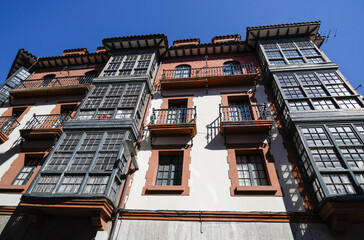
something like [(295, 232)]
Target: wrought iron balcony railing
[(209, 71), (7, 124), (173, 116), (235, 113), (59, 81), (47, 121)]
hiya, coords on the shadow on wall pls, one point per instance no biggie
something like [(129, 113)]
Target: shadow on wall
[(18, 227), (10, 152)]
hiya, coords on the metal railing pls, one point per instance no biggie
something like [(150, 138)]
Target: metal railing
[(47, 121), (209, 71), (173, 115), (59, 81), (8, 124), (236, 113)]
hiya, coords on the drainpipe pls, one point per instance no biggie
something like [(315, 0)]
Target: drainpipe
[(113, 228)]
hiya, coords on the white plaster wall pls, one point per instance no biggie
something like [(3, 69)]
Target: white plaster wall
[(147, 229), (209, 182), (9, 150)]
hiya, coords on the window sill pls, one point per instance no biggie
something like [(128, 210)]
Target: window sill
[(255, 190), (165, 190), (12, 188)]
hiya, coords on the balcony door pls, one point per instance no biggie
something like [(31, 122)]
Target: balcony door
[(177, 112), (240, 110)]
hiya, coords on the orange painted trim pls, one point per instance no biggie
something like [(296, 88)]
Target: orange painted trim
[(151, 175), (98, 210), (273, 189), (4, 210), (207, 216), (3, 137)]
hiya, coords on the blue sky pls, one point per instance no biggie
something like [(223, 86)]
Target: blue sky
[(46, 28)]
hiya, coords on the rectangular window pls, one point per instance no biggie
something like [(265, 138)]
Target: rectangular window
[(300, 105), (81, 161), (250, 170), (316, 91), (113, 141), (326, 158), (85, 115), (109, 73), (338, 90), (360, 178), (288, 45), (58, 162), (315, 60), (277, 62), (91, 141), (26, 171), (293, 92), (323, 104), (96, 184), (296, 61), (99, 91), (124, 72), (316, 136), (305, 44), (348, 103), (70, 142), (70, 184), (272, 46), (287, 80), (309, 52), (92, 102), (274, 54), (143, 64), (110, 102), (105, 161), (338, 184), (329, 77), (344, 135), (46, 183), (124, 114), (169, 170), (308, 79), (354, 156), (291, 53), (128, 101)]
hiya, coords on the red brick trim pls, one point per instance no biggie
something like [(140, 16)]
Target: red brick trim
[(273, 189)]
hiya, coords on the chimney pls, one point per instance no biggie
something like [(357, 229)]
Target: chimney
[(101, 49), (186, 42), (226, 38), (75, 51)]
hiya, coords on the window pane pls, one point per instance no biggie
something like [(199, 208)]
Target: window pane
[(316, 91), (58, 162), (293, 92), (324, 104), (169, 170), (96, 184), (91, 142), (354, 156), (250, 170), (308, 79), (326, 158), (338, 90), (81, 162), (329, 77), (69, 142), (348, 103), (70, 184), (300, 105), (316, 136), (344, 135), (287, 80), (46, 183), (105, 161), (338, 184), (309, 52)]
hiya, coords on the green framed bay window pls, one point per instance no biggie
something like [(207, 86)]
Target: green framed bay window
[(83, 164)]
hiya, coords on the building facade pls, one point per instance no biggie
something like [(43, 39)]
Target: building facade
[(259, 138)]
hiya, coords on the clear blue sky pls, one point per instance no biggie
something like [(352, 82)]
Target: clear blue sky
[(46, 28)]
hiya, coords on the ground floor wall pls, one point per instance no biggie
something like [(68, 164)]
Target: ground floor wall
[(150, 229)]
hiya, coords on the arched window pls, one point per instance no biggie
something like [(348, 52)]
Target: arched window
[(47, 79), (182, 71), (232, 67)]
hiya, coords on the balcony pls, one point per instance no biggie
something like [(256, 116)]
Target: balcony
[(208, 77), (7, 125), (52, 87), (44, 126), (245, 119), (174, 121)]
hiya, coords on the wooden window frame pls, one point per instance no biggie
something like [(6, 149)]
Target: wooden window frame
[(273, 189), (151, 189)]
